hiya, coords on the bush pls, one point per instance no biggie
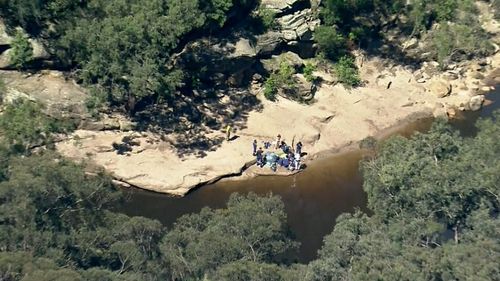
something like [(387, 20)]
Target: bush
[(454, 42), (267, 18), (330, 41), (347, 72), (283, 79), (22, 52), (308, 72), (2, 89), (270, 89), (23, 125)]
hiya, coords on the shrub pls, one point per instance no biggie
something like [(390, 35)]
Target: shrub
[(454, 42), (21, 52), (347, 72), (23, 125), (330, 41), (270, 89), (2, 89), (282, 79), (267, 18), (308, 72)]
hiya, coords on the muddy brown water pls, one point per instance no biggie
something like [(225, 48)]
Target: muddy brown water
[(313, 198)]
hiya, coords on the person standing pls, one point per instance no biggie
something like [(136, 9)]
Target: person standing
[(299, 148), (278, 141), (260, 160), (254, 144), (228, 132), (297, 161)]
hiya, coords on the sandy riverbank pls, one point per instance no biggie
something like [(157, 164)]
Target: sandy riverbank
[(338, 118)]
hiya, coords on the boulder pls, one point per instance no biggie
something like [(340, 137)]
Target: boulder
[(39, 54), (268, 43), (410, 44), (5, 60), (476, 102), (305, 89), (451, 75), (440, 89), (273, 64), (39, 51)]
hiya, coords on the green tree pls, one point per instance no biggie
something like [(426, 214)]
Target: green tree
[(347, 72), (21, 52), (280, 80), (250, 229), (330, 41), (23, 125)]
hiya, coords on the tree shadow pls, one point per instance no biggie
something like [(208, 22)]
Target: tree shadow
[(193, 123)]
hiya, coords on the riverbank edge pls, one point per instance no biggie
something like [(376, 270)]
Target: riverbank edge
[(321, 155)]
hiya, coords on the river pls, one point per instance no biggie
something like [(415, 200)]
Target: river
[(313, 198)]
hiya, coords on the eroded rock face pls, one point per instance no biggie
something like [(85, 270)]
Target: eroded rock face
[(221, 60), (298, 26), (61, 97), (269, 43)]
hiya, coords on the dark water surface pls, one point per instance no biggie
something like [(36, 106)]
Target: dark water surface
[(313, 199)]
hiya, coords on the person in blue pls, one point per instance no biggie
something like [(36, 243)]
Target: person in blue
[(260, 158), (298, 149), (254, 144)]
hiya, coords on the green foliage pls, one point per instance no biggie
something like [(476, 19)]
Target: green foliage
[(418, 189), (445, 10), (496, 9), (347, 72), (271, 88), (267, 18), (308, 72), (280, 80), (330, 41), (250, 229), (250, 271), (121, 48), (23, 124), (454, 42), (21, 52), (3, 89)]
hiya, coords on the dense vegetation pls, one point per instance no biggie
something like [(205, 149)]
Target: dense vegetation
[(435, 203), (122, 50)]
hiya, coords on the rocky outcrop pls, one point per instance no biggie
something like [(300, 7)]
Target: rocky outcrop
[(61, 97), (219, 59), (298, 26), (296, 23), (305, 89), (40, 54), (282, 6), (269, 43), (273, 64)]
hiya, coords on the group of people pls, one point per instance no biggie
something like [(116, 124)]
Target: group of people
[(283, 155)]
